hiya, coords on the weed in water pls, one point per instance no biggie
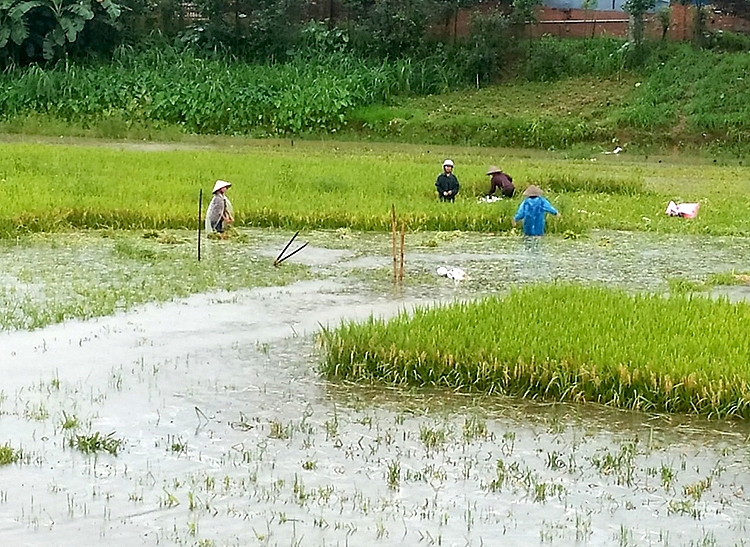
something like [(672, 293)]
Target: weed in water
[(279, 431), (432, 438), (309, 465), (393, 474), (9, 455), (475, 429), (96, 442), (69, 421), (37, 412)]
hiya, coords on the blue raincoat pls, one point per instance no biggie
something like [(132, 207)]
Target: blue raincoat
[(531, 211)]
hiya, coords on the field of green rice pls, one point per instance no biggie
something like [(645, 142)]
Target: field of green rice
[(562, 343), (52, 187)]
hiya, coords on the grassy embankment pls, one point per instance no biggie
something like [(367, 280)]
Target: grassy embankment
[(562, 343), (564, 93)]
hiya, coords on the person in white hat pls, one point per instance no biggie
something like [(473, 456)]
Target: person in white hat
[(447, 183), (219, 214)]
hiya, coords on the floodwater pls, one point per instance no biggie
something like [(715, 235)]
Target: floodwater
[(230, 436)]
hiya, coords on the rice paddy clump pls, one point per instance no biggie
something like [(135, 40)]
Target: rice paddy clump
[(9, 455), (560, 342), (97, 442)]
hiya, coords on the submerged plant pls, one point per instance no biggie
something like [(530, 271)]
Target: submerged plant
[(96, 442), (8, 454)]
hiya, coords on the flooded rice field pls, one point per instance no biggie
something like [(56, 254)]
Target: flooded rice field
[(203, 421)]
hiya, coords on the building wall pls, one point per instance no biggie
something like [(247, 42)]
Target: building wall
[(578, 23)]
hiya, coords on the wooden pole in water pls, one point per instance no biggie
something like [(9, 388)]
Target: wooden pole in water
[(401, 263), (200, 211), (393, 240)]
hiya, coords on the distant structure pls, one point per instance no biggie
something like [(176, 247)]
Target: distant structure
[(601, 5)]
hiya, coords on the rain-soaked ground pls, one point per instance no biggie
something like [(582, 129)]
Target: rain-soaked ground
[(230, 437)]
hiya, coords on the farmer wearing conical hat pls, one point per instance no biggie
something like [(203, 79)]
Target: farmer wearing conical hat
[(502, 181), (219, 214), (532, 211), (447, 183)]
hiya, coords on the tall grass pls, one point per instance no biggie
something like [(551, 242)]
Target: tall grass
[(674, 95), (699, 94), (562, 343), (214, 95), (331, 185)]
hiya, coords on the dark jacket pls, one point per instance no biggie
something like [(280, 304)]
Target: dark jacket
[(504, 182), (445, 183)]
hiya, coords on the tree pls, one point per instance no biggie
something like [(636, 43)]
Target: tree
[(588, 6), (664, 15), (44, 29), (13, 26), (636, 9)]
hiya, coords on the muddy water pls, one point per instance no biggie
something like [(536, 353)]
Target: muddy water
[(231, 438)]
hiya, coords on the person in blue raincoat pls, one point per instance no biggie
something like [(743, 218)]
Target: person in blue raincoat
[(532, 211)]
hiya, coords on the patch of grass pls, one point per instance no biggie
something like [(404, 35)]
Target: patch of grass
[(729, 278), (566, 342), (106, 274), (49, 188), (97, 442), (9, 455), (69, 421)]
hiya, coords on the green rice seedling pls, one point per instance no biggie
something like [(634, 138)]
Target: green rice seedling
[(177, 445), (684, 286), (9, 455), (37, 412), (544, 490), (567, 342), (729, 278), (667, 477), (49, 190), (69, 421), (621, 465), (474, 429), (432, 438), (279, 430), (97, 442), (332, 428), (393, 474)]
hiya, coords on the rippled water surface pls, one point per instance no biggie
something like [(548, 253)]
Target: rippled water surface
[(230, 437)]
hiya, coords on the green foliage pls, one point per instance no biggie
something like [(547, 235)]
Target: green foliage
[(9, 455), (212, 96), (728, 41), (551, 59), (258, 29), (563, 342), (99, 280), (704, 93), (45, 29), (637, 9), (56, 188), (96, 442), (389, 29), (493, 45)]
